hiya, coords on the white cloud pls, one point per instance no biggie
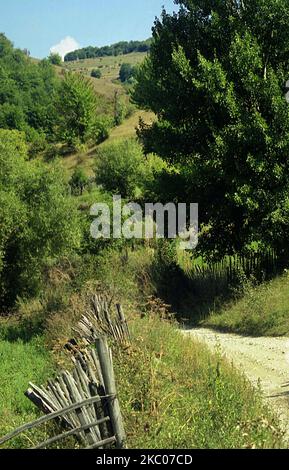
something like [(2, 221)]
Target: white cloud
[(66, 45)]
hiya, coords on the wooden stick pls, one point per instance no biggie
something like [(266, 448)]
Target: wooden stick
[(99, 444), (110, 388), (49, 417), (71, 433)]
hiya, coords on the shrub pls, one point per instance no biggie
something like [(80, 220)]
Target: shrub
[(78, 181), (127, 71), (101, 129), (120, 168), (55, 59), (37, 142), (39, 220), (96, 73)]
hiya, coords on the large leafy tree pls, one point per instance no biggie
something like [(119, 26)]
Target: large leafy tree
[(77, 105), (38, 221), (215, 78)]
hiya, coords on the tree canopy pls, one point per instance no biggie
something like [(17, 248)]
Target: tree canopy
[(119, 48), (38, 221), (215, 78), (76, 106), (127, 72), (26, 92)]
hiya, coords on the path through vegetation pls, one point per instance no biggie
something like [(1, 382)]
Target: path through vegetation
[(264, 361)]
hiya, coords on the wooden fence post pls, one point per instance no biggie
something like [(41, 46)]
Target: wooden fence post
[(106, 365)]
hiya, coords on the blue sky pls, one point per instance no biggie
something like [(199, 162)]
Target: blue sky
[(39, 25)]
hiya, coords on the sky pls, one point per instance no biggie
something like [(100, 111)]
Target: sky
[(63, 25)]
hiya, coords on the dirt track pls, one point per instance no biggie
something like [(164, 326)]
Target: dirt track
[(263, 360)]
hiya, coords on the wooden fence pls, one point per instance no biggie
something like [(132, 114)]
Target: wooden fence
[(102, 319), (216, 278), (83, 403)]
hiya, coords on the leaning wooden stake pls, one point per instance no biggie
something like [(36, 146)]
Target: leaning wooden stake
[(106, 365)]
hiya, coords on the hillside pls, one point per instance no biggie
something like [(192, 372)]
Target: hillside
[(108, 84), (108, 88), (117, 49)]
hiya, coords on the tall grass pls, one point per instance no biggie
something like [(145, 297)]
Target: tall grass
[(175, 394), (21, 362), (262, 311)]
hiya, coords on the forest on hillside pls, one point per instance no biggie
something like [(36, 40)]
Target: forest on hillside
[(119, 48)]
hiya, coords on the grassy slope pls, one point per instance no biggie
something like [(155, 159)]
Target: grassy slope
[(108, 84), (263, 311), (175, 394), (20, 362), (109, 66), (126, 130), (106, 87)]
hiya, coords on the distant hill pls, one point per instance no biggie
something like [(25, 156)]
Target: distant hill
[(116, 49)]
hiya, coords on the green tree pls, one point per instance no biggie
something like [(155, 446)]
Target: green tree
[(215, 78), (76, 104), (55, 59), (127, 71), (78, 181), (39, 223), (26, 93), (120, 168), (96, 73)]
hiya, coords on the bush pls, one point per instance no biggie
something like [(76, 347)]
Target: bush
[(101, 129), (37, 142), (120, 168), (39, 220), (78, 181), (127, 71), (96, 73), (55, 59)]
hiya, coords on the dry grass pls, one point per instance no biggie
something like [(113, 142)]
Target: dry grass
[(128, 128), (108, 84)]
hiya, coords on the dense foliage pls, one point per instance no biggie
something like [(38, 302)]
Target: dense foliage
[(77, 117), (119, 48), (55, 59), (120, 168), (38, 221), (127, 72), (215, 78), (26, 93), (96, 73)]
